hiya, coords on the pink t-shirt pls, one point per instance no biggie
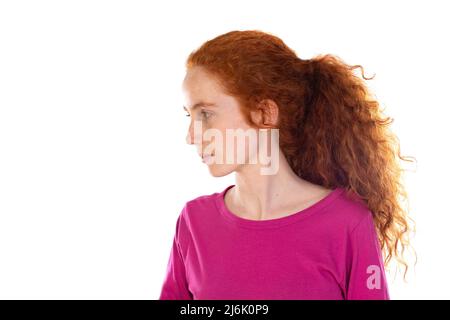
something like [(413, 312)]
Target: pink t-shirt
[(326, 251)]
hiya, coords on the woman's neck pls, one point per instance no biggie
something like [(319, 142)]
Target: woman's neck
[(263, 197)]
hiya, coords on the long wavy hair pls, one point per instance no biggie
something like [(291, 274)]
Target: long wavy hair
[(332, 131)]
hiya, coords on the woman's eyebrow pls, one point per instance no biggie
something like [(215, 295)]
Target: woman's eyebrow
[(200, 104)]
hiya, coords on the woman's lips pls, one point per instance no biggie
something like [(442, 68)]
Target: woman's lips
[(206, 157)]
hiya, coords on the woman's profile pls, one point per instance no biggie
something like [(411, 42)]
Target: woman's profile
[(315, 211)]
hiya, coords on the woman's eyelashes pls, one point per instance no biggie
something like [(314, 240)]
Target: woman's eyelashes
[(204, 115)]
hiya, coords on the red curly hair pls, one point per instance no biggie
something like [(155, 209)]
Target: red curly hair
[(332, 131)]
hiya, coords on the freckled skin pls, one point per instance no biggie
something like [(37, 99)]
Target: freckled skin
[(255, 196), (198, 85)]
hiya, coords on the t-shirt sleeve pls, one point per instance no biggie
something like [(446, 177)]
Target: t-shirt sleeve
[(366, 276), (175, 285)]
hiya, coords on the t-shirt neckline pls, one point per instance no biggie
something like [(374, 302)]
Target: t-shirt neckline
[(277, 222)]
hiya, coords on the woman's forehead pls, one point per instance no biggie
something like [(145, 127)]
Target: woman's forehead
[(197, 79)]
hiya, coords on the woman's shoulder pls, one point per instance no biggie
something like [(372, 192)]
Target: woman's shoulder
[(350, 208), (202, 200), (201, 206)]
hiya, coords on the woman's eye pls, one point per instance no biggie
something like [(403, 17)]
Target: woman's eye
[(205, 114)]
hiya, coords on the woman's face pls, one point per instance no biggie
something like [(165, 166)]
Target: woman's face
[(213, 114)]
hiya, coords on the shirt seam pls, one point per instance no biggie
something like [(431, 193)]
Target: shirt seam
[(236, 223)]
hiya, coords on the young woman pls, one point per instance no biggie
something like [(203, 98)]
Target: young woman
[(317, 224)]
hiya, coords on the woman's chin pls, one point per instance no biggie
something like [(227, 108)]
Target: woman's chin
[(220, 170)]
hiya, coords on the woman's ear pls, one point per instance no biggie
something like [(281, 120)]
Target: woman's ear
[(266, 114)]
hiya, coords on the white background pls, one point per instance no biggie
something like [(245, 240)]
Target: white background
[(94, 168)]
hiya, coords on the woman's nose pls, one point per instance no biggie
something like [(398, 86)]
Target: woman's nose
[(192, 136), (189, 139)]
